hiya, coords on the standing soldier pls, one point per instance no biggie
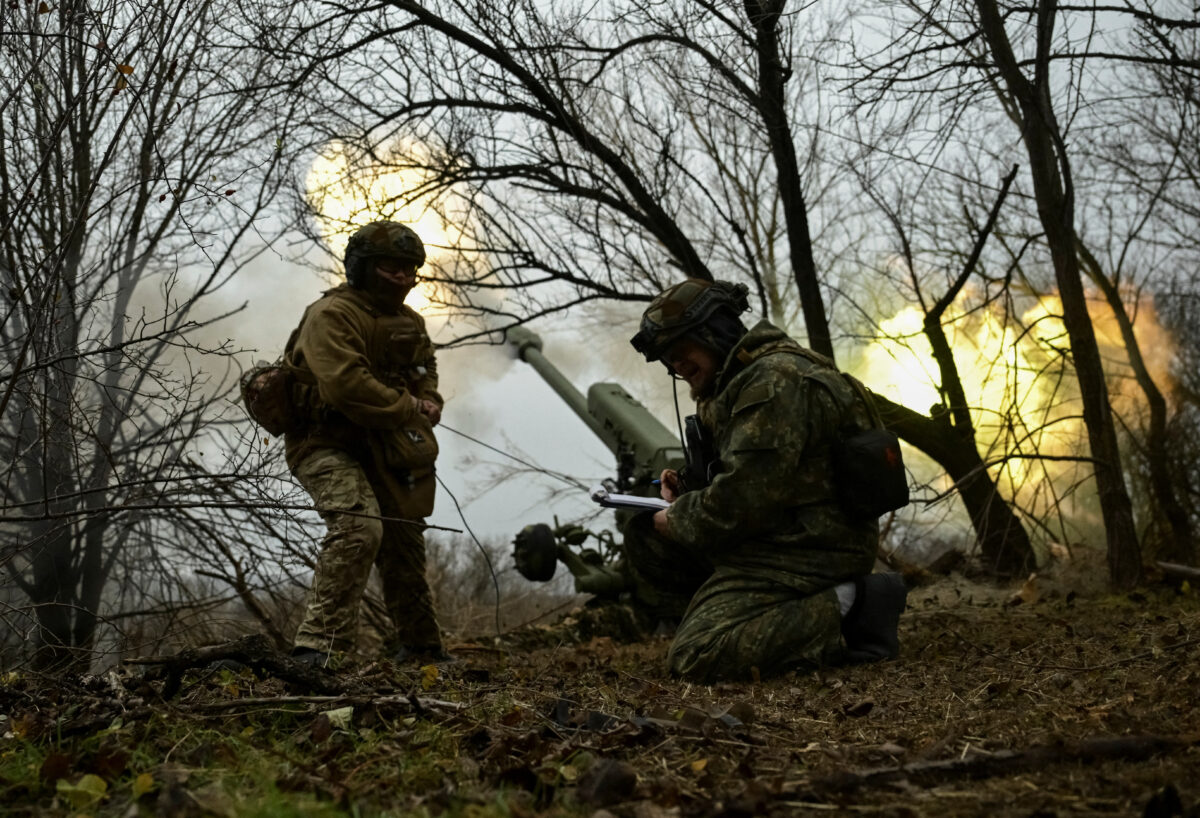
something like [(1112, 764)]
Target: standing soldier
[(788, 564), (367, 387)]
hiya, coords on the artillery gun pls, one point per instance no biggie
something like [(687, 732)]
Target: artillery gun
[(643, 447)]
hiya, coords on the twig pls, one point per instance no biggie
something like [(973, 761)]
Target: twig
[(352, 701), (1150, 654), (1001, 762), (256, 651), (1174, 569)]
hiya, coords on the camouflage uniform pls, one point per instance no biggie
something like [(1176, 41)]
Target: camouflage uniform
[(768, 523), (367, 452)]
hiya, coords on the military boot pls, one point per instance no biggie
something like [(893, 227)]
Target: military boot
[(422, 655), (311, 657), (870, 626)]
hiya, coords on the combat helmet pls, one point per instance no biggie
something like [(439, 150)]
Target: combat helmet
[(683, 307), (381, 239)]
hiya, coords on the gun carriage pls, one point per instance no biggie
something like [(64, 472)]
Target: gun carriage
[(642, 446)]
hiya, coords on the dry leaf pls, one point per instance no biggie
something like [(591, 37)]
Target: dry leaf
[(1029, 593), (143, 784), (606, 782), (125, 69)]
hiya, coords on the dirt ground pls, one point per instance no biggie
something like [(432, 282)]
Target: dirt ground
[(1033, 700)]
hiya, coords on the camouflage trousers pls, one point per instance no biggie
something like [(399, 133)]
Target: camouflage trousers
[(738, 622), (740, 625), (356, 538)]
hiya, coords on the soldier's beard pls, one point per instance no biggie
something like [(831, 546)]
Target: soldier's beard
[(702, 391)]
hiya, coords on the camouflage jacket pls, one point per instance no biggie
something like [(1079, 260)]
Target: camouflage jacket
[(362, 367), (775, 413)]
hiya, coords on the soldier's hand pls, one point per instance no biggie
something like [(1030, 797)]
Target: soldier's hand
[(661, 527), (432, 411), (668, 486)]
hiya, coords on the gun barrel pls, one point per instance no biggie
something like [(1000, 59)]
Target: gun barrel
[(623, 424), (528, 346)]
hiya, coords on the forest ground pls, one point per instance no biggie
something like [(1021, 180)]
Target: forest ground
[(1034, 700)]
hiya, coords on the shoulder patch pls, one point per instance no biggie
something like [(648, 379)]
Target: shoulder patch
[(753, 395)]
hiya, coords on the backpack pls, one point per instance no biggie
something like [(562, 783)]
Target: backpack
[(268, 393), (869, 479), (868, 468)]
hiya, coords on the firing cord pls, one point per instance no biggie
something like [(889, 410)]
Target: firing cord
[(571, 481), (678, 416), (479, 545)]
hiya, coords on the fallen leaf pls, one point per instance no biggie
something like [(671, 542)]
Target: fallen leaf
[(215, 801), (429, 676), (321, 729), (1028, 594), (56, 766), (85, 792), (340, 717), (143, 784), (742, 711), (699, 764), (857, 711), (606, 782), (110, 764)]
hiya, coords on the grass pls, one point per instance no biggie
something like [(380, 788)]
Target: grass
[(561, 727)]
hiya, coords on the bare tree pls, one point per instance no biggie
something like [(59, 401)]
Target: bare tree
[(132, 174), (590, 156), (1044, 65)]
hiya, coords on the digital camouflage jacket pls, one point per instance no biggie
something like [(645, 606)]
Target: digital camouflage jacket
[(776, 411)]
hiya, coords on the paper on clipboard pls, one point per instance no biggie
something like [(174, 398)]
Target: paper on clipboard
[(610, 499)]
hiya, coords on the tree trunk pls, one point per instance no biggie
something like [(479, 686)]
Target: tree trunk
[(772, 106), (1002, 539), (1051, 172), (1183, 543)]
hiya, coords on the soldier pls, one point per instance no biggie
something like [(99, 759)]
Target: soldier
[(367, 384), (789, 579)]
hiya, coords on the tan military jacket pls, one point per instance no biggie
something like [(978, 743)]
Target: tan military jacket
[(363, 369)]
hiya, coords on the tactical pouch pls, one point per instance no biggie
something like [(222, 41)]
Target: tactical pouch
[(868, 474), (417, 502), (267, 395), (412, 447), (268, 392), (701, 462)]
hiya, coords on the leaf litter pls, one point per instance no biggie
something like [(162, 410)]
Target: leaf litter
[(1027, 704)]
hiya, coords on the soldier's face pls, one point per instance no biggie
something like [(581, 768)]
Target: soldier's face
[(395, 276), (695, 363)]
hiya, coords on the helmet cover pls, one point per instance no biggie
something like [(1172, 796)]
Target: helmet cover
[(381, 239), (684, 307)]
